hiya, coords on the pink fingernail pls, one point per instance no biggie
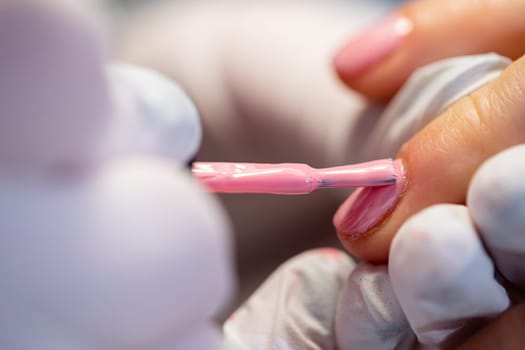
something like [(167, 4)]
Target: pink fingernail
[(367, 206), (372, 46)]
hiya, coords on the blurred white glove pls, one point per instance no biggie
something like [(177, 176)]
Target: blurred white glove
[(440, 283), (153, 115), (126, 251)]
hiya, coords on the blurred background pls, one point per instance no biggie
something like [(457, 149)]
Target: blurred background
[(131, 3), (124, 7)]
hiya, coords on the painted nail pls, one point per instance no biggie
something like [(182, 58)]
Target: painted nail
[(368, 206), (372, 46)]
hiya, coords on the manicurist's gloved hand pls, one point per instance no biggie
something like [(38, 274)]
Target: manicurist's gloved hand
[(470, 243), (453, 270)]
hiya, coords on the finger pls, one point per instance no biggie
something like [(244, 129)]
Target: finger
[(53, 91), (380, 60), (295, 307), (442, 276), (368, 315), (137, 238), (436, 165), (506, 332), (496, 200)]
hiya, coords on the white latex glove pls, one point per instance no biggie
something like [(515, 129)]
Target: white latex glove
[(440, 283), (106, 242)]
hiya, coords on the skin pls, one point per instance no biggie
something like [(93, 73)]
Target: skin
[(505, 333), (442, 158), (479, 26)]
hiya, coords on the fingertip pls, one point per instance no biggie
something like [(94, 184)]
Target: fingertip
[(441, 274), (377, 62), (365, 212), (429, 178), (495, 201), (370, 248), (366, 57), (155, 115)]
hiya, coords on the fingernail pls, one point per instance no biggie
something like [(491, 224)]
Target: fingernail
[(372, 46), (368, 206)]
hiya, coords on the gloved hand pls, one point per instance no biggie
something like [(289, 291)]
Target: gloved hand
[(439, 285), (451, 268), (106, 242)]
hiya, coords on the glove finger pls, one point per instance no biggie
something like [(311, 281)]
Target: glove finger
[(53, 92), (368, 314), (153, 115), (129, 257), (496, 200), (442, 276), (294, 308)]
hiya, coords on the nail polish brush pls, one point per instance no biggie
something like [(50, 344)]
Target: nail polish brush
[(292, 178)]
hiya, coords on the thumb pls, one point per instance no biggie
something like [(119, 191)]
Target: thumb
[(436, 165), (382, 58)]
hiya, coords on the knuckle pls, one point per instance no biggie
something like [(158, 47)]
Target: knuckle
[(479, 111)]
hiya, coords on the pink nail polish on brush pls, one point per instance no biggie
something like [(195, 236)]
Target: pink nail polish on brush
[(289, 178)]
